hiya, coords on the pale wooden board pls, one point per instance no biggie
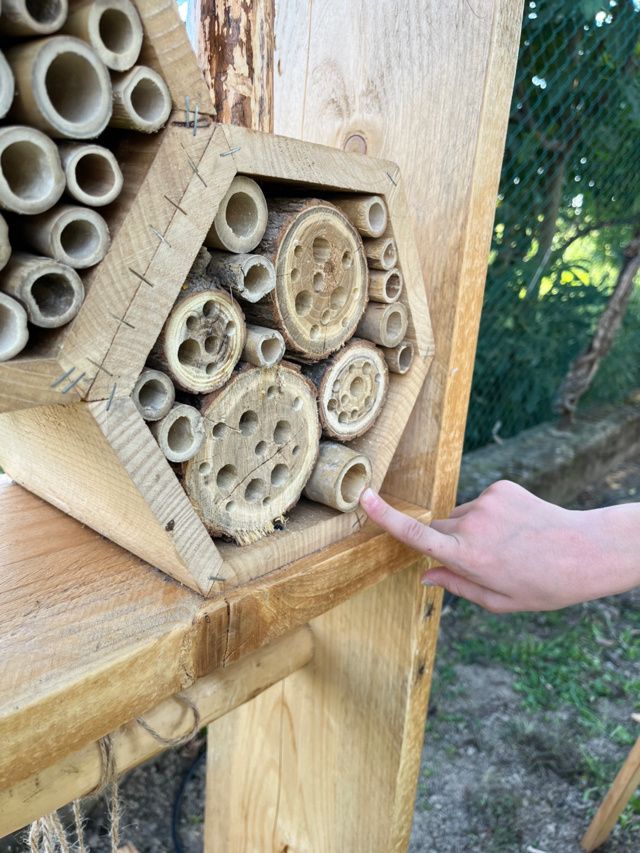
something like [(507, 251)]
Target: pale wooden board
[(27, 381), (91, 637)]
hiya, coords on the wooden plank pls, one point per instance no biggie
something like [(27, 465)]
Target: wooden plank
[(26, 382), (441, 114), (618, 796), (91, 637), (214, 695)]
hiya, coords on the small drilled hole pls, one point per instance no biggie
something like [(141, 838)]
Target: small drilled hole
[(295, 275), (303, 303), (180, 435), (344, 400), (342, 418), (296, 450), (338, 299), (282, 432), (226, 478), (297, 252), (266, 501), (210, 308), (354, 414), (357, 386), (254, 491), (297, 404), (367, 368), (211, 344), (205, 468), (257, 279), (279, 475), (332, 405), (248, 423), (189, 353), (318, 281), (261, 448), (219, 430), (230, 506), (192, 322), (326, 317), (347, 260), (271, 392), (368, 401), (230, 328), (321, 250), (314, 333), (270, 350), (211, 368)]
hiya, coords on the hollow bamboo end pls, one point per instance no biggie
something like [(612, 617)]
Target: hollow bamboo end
[(14, 333), (153, 395), (385, 325), (31, 177), (7, 86), (141, 100), (264, 347), (32, 17), (400, 358), (368, 213), (241, 219), (93, 175), (180, 433), (75, 236), (5, 245), (112, 28), (251, 277), (381, 253), (339, 477), (386, 285), (52, 293)]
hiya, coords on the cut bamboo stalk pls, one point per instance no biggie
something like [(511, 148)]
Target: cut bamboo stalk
[(321, 277), (62, 87), (111, 27), (339, 477), (384, 324), (5, 245), (75, 236), (141, 100), (241, 218), (32, 17), (13, 327), (51, 293), (31, 177), (7, 85), (261, 443), (153, 395), (352, 389), (385, 286), (92, 172), (203, 338), (400, 357), (382, 253), (250, 276), (264, 347), (179, 433), (367, 213)]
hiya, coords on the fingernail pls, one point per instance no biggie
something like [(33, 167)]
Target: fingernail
[(368, 498), (425, 583)]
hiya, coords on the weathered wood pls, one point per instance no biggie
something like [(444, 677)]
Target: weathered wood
[(249, 276), (27, 381)]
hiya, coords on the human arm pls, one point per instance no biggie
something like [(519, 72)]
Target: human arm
[(508, 550)]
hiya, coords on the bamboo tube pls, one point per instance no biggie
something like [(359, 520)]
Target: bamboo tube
[(384, 324), (400, 357), (111, 27), (250, 276), (75, 236), (7, 85), (385, 286), (321, 277), (92, 172), (141, 100), (32, 17), (5, 246), (202, 338), (31, 177), (339, 477), (382, 253), (367, 213), (264, 347), (179, 433), (153, 395), (62, 87), (261, 443), (13, 327), (51, 293), (352, 389), (241, 218)]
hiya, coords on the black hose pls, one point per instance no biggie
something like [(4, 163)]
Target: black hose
[(178, 800)]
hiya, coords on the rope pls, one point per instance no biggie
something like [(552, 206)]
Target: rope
[(175, 741)]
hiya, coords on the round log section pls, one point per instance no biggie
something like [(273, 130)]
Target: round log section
[(141, 100), (180, 433), (250, 277), (52, 293), (385, 286), (202, 341), (14, 333), (382, 253), (153, 395), (241, 218), (75, 236), (92, 172), (264, 347), (321, 277), (5, 245), (45, 99), (339, 477), (368, 213), (261, 443), (352, 389), (384, 324), (112, 28), (32, 17), (31, 177), (399, 359), (7, 85)]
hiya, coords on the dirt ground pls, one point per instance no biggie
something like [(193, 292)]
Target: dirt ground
[(529, 721)]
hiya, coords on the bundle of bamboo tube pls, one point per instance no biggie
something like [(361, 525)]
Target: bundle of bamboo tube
[(67, 72)]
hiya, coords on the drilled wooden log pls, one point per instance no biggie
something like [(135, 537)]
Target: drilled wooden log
[(264, 347), (202, 338), (385, 286), (180, 433), (384, 324), (321, 277), (51, 293), (141, 100), (261, 443), (75, 236), (45, 97), (250, 277), (5, 245), (368, 213), (153, 395), (111, 27), (32, 17), (382, 253), (31, 177), (14, 333), (92, 173), (7, 85), (241, 218), (400, 357), (339, 477), (352, 388)]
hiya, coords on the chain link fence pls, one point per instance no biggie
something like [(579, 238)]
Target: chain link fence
[(569, 204)]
